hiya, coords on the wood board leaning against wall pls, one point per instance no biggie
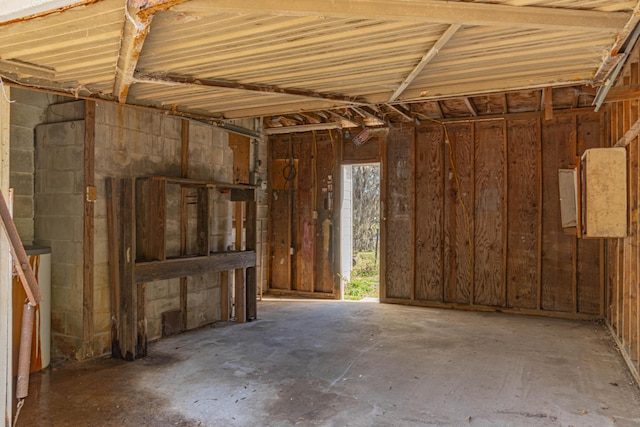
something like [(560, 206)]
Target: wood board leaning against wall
[(472, 217)]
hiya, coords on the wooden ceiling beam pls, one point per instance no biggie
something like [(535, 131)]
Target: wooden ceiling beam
[(426, 58), (434, 11), (623, 93), (302, 128), (175, 80), (134, 34), (403, 112)]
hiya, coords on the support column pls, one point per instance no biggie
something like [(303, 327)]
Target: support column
[(6, 376)]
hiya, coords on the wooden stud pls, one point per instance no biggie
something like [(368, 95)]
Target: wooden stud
[(251, 245), (141, 317), (240, 296), (113, 230), (128, 294), (540, 212), (224, 296), (574, 256), (547, 95), (505, 212), (88, 227), (184, 218), (412, 281), (384, 171), (471, 212), (203, 223)]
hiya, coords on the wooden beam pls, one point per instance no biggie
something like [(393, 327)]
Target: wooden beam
[(177, 80), (623, 93), (433, 11), (426, 58), (505, 104), (547, 101), (134, 34), (111, 190), (194, 266), (302, 128), (472, 108), (88, 228), (630, 135), (404, 113), (128, 303)]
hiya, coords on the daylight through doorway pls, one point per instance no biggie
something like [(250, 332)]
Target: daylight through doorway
[(360, 219)]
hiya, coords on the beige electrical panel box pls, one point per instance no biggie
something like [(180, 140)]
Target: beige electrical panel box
[(604, 192)]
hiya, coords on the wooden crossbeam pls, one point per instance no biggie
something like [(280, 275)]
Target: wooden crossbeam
[(630, 135), (472, 108), (177, 80), (428, 56), (623, 93), (435, 11)]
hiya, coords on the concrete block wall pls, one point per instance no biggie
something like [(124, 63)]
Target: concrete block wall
[(132, 143), (59, 198), (27, 112)]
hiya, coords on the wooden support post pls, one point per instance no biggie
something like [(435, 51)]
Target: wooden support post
[(251, 245), (241, 295), (224, 296), (184, 217), (141, 324), (88, 239), (203, 227), (540, 215), (113, 220), (128, 327), (152, 219), (547, 94)]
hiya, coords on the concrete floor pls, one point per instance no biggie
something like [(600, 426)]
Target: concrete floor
[(353, 364)]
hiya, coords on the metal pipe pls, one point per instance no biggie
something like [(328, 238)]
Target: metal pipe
[(24, 357)]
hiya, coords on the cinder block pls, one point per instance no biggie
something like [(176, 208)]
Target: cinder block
[(22, 183), (101, 321), (48, 228), (22, 161), (26, 114), (66, 111), (25, 228), (73, 324), (171, 127), (66, 300), (69, 158), (22, 137), (158, 290), (102, 344), (60, 181), (60, 134), (23, 207), (66, 252)]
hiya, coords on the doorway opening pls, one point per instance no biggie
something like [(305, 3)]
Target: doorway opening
[(360, 235)]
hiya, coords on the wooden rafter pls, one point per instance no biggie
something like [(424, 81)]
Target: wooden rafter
[(134, 34), (630, 135), (434, 11), (404, 113), (472, 108), (367, 113), (505, 104), (302, 128), (431, 53), (439, 109), (176, 80), (623, 93)]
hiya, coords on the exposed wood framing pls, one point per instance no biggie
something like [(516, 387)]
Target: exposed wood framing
[(547, 97), (88, 229), (170, 268), (472, 108), (428, 56), (436, 12), (629, 135), (623, 93), (176, 80), (404, 113), (134, 34), (302, 128), (184, 217)]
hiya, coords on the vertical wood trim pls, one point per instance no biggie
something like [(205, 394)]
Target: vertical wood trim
[(241, 296), (141, 320), (184, 217), (574, 251), (471, 212), (203, 223), (6, 362), (251, 244), (413, 216), (111, 189), (88, 230), (270, 238), (128, 293), (383, 218), (548, 103), (184, 149), (604, 134), (505, 216), (443, 207), (224, 296), (540, 211)]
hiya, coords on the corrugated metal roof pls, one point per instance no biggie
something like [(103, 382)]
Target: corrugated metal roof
[(229, 59)]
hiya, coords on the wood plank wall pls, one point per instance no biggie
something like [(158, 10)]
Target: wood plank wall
[(472, 216), (301, 244), (622, 255)]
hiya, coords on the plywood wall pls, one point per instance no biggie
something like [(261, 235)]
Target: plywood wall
[(302, 214), (622, 255), (472, 216)]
